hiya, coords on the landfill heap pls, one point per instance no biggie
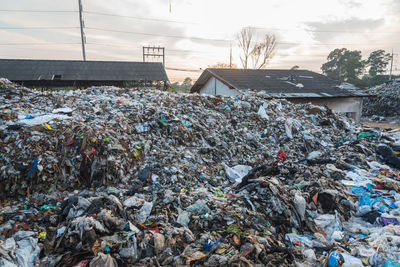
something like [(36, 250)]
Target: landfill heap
[(385, 101), (119, 177)]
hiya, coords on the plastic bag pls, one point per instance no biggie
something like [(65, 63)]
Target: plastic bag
[(300, 204), (262, 112), (27, 252), (350, 261), (144, 212), (335, 259), (334, 225), (103, 260), (198, 208), (390, 263), (183, 218), (289, 125), (298, 239), (236, 173), (314, 155)]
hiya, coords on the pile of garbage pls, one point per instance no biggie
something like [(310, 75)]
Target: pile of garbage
[(384, 103), (119, 177)]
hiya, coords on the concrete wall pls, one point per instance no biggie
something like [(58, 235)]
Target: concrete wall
[(216, 87), (339, 104)]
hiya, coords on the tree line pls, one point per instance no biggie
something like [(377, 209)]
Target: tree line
[(348, 66), (342, 64)]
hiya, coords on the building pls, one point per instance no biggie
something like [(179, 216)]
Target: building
[(297, 86), (76, 73)]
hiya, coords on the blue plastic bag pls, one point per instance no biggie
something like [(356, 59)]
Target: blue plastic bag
[(390, 263), (335, 259)]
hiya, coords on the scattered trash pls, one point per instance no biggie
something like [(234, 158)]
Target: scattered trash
[(384, 103), (128, 177)]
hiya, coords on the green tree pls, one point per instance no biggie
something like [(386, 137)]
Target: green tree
[(185, 85), (187, 81), (377, 62), (174, 87), (295, 67), (343, 65)]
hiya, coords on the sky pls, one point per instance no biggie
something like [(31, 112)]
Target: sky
[(198, 33)]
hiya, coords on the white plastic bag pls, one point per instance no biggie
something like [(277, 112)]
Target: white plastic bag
[(236, 173), (262, 112)]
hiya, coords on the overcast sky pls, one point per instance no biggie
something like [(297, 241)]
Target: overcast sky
[(198, 33)]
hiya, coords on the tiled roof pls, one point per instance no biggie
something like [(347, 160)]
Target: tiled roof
[(74, 70), (277, 83)]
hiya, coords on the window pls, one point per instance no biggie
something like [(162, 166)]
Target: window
[(57, 77)]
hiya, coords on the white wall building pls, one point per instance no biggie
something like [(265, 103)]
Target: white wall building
[(297, 86)]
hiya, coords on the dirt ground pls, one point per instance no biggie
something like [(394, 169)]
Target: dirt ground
[(381, 124)]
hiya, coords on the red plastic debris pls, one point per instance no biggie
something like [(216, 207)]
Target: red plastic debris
[(281, 155)]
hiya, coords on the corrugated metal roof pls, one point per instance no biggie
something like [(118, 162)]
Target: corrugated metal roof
[(75, 70), (286, 83)]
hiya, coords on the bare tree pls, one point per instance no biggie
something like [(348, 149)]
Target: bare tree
[(244, 38), (263, 52), (260, 53)]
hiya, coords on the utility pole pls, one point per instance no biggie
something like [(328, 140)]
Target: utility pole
[(230, 57), (391, 66), (154, 52), (82, 33)]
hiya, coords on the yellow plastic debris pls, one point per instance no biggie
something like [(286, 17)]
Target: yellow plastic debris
[(42, 235), (47, 126)]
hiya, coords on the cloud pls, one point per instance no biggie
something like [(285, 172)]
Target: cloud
[(351, 4), (345, 30), (298, 25), (122, 40)]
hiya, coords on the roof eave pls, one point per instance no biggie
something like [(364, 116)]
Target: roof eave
[(205, 76)]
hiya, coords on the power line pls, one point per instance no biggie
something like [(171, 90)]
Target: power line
[(187, 22), (187, 70), (95, 13), (37, 28), (159, 35), (37, 11), (22, 44), (216, 40), (152, 34), (260, 28), (320, 31), (134, 47), (139, 18), (300, 55)]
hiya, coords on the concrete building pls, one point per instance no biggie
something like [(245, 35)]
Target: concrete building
[(297, 86), (77, 73)]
